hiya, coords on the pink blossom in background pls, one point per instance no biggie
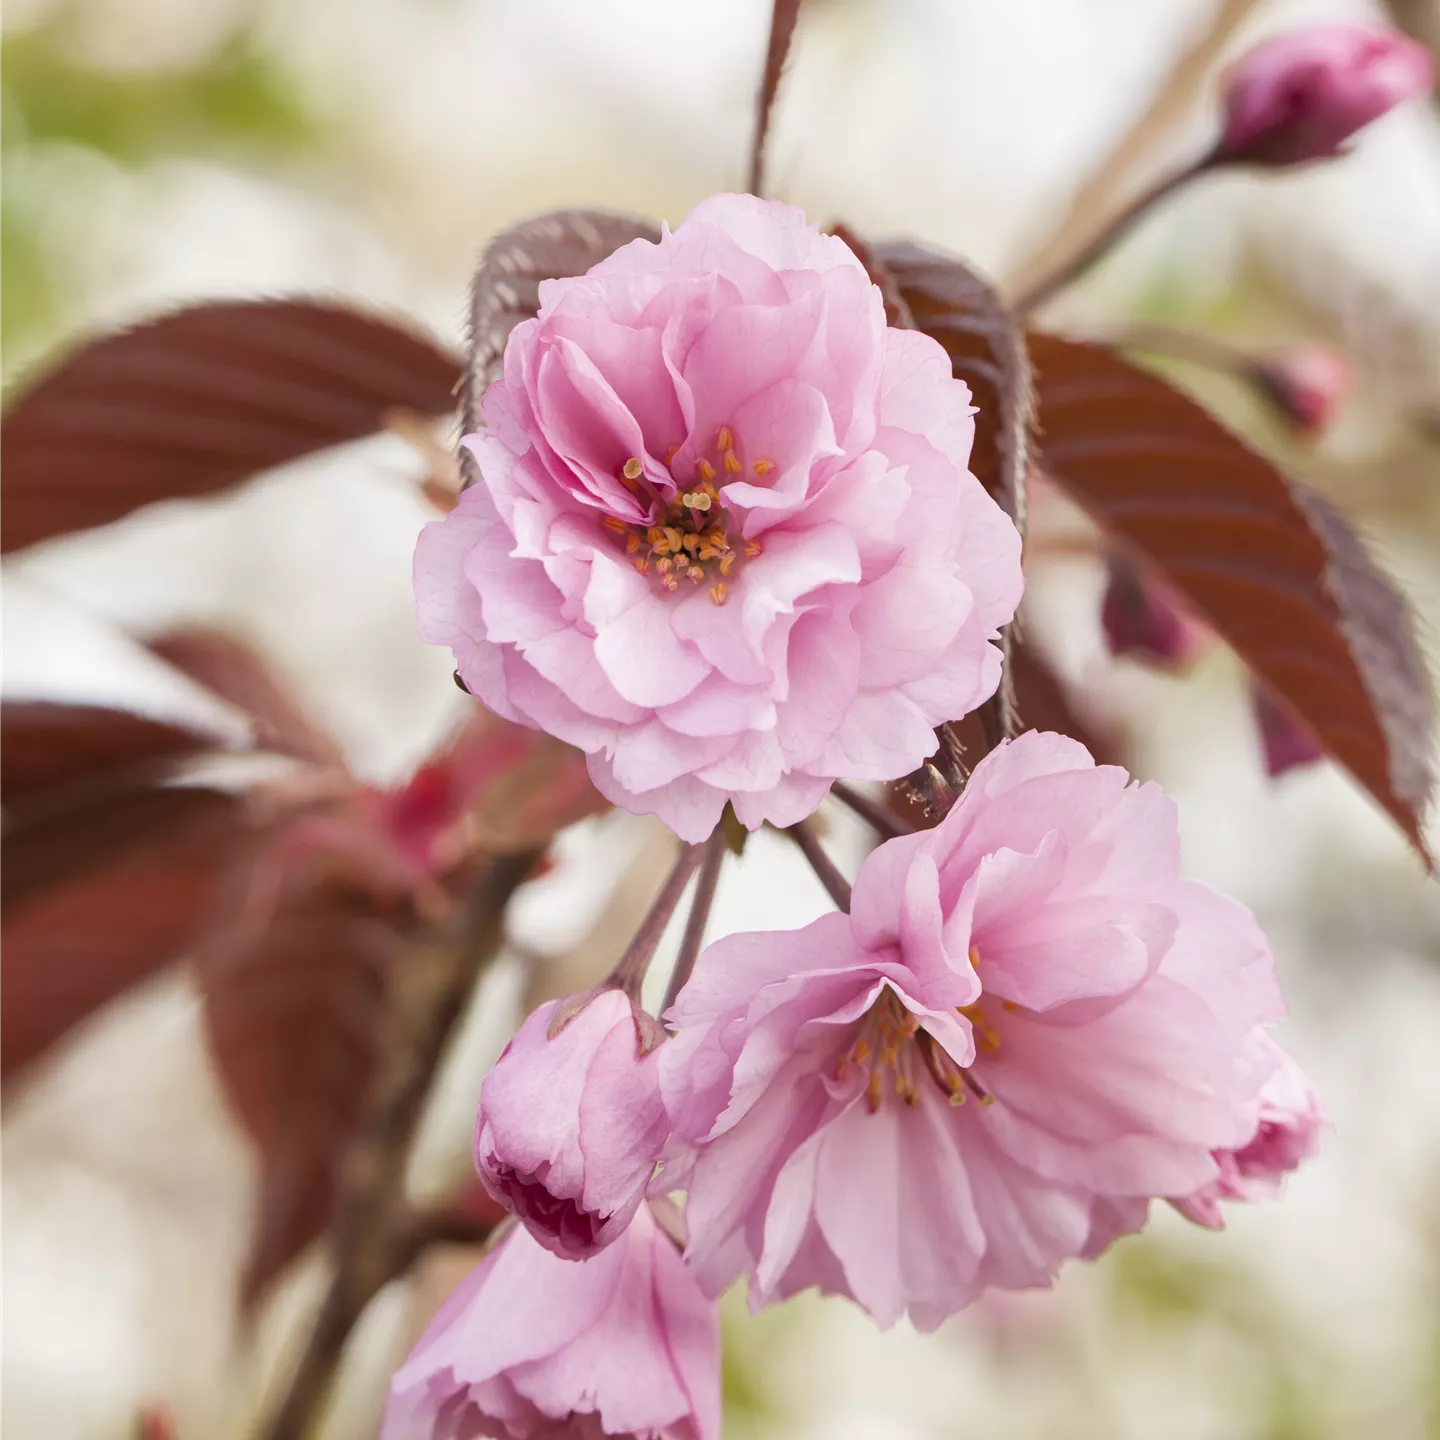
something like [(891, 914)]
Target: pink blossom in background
[(725, 540), (531, 1347), (1145, 619), (1285, 744), (570, 1127), (1301, 95), (1308, 384), (1287, 1131), (1028, 1026)]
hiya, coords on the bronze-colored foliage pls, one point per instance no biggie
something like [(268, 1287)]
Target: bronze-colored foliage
[(1276, 571), (189, 403), (229, 668), (295, 1005), (950, 302), (98, 897), (46, 745)]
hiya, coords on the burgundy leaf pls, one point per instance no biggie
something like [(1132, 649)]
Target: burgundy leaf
[(1273, 569), (952, 304), (506, 289), (96, 899), (229, 668), (783, 15), (189, 403), (295, 1003), (47, 744)]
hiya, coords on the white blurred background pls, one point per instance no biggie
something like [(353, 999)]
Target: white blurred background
[(157, 151)]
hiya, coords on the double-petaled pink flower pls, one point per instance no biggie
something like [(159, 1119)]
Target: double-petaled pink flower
[(531, 1347), (1301, 95), (1028, 1026), (570, 1126), (724, 540)]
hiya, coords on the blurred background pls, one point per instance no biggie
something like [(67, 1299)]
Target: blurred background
[(159, 151)]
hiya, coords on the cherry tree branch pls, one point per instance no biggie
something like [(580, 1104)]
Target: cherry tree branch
[(783, 15), (699, 913), (826, 872), (874, 814), (1105, 192), (1073, 267), (372, 1238)]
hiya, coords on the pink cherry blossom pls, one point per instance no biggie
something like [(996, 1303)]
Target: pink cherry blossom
[(1301, 95), (1028, 1026), (1286, 1133), (1307, 384), (570, 1126), (531, 1347), (1146, 619), (725, 541), (1285, 744)]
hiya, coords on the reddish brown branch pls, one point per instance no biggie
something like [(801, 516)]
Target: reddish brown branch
[(690, 942), (373, 1237), (826, 871), (783, 15)]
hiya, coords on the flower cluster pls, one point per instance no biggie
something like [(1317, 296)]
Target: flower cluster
[(725, 542)]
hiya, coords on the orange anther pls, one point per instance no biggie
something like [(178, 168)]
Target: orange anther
[(763, 467), (732, 462), (707, 470), (724, 440), (718, 594)]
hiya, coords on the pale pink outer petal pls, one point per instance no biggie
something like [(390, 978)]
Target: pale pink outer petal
[(529, 1342)]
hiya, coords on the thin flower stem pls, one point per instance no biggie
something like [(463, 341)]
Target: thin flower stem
[(699, 913), (870, 811), (630, 970), (1072, 269), (836, 885)]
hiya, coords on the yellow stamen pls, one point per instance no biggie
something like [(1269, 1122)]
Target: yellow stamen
[(724, 440), (707, 470), (671, 453), (752, 548), (732, 462), (642, 564), (615, 524), (718, 593), (763, 467), (634, 468), (632, 543)]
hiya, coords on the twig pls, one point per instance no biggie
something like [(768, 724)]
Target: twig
[(371, 1230), (783, 15), (870, 811), (1113, 181), (694, 934), (630, 970), (836, 885), (1073, 268)]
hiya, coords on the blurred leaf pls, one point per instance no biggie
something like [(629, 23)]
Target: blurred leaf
[(955, 306), (1275, 570), (229, 668), (506, 289), (48, 746), (55, 845), (783, 15), (295, 1004), (237, 99), (193, 401), (98, 897)]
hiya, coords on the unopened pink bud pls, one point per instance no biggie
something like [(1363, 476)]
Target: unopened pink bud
[(1307, 384), (1143, 621), (1285, 745), (1303, 94), (571, 1125)]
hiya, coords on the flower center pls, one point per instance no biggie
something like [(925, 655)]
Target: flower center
[(891, 1046), (688, 538)]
